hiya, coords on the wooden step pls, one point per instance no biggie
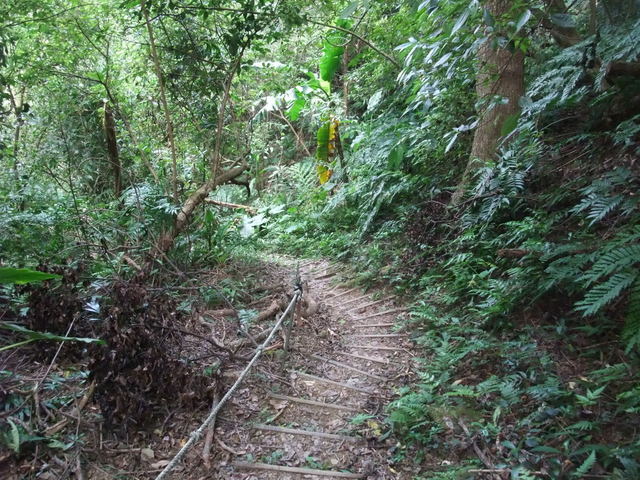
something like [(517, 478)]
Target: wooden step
[(347, 367), (314, 403), (372, 304), (331, 382), (364, 357), (357, 299), (382, 335), (346, 292), (326, 275), (307, 433), (300, 470), (382, 314), (373, 325), (373, 347)]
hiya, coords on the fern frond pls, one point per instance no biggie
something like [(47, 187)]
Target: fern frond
[(586, 466), (612, 261), (631, 332), (602, 207), (603, 294)]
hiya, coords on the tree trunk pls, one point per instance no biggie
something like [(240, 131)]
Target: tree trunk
[(167, 240), (163, 100), (112, 149), (500, 76)]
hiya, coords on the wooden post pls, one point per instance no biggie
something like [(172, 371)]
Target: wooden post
[(297, 295)]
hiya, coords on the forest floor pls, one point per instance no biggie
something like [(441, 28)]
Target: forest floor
[(315, 412), (348, 360)]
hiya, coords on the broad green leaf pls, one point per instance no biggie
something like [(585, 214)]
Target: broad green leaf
[(21, 276), (545, 449), (333, 49), (33, 335), (324, 132), (13, 437), (522, 21), (325, 86), (97, 76), (451, 142), (331, 59), (510, 124), (296, 107), (461, 21), (443, 59), (374, 101), (316, 83), (396, 156)]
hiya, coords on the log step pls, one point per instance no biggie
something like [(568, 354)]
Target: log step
[(372, 304), (331, 382), (314, 403), (357, 299), (382, 314), (373, 347), (346, 292), (347, 367), (306, 433), (326, 275), (371, 325), (300, 470), (382, 335), (364, 357)]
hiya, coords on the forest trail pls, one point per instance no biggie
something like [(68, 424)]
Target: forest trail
[(315, 413)]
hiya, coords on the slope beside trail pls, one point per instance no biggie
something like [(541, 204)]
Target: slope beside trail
[(316, 412)]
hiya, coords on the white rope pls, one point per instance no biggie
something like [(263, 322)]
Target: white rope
[(197, 434)]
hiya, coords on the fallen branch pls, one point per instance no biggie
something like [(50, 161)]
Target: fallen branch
[(225, 312), (197, 434), (166, 241), (206, 451), (271, 311), (274, 308), (231, 205), (227, 448), (83, 403)]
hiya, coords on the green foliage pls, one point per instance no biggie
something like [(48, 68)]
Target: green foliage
[(332, 51), (32, 336), (20, 276)]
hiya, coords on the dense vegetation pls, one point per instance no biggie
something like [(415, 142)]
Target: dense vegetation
[(480, 157)]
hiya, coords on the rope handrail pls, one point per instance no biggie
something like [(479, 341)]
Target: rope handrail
[(197, 434)]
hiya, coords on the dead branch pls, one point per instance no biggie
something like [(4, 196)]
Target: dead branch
[(167, 240), (231, 205), (206, 452), (83, 403)]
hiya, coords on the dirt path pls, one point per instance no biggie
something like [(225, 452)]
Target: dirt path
[(316, 412)]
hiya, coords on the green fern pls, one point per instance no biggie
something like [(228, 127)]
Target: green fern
[(614, 191), (586, 466), (631, 332), (615, 260), (604, 293)]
